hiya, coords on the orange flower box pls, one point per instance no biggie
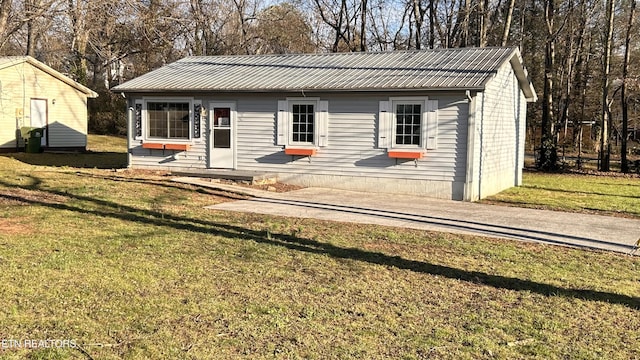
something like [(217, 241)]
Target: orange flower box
[(156, 146), (300, 151), (406, 154), (180, 147)]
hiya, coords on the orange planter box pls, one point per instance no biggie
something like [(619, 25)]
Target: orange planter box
[(300, 151), (406, 154), (181, 147), (156, 146)]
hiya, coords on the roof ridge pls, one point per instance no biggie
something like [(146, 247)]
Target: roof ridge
[(355, 53)]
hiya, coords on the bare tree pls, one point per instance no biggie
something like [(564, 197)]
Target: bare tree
[(341, 17), (548, 151), (624, 164), (465, 13), (418, 15), (5, 10), (29, 14), (483, 22), (386, 30), (201, 27), (605, 122), (572, 60), (507, 23), (363, 25), (79, 15), (283, 29)]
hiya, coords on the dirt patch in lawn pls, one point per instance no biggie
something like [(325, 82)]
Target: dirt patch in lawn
[(276, 187), (13, 227), (18, 196)]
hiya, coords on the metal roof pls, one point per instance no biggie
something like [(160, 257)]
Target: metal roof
[(440, 69), (8, 61)]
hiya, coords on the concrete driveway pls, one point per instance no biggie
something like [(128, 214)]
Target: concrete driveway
[(551, 227)]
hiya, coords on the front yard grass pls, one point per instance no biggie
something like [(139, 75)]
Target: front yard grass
[(129, 265), (591, 193)]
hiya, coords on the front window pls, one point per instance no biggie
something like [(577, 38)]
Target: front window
[(408, 124), (302, 123), (168, 120)]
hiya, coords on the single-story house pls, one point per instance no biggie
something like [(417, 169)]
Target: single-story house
[(34, 95), (447, 123)]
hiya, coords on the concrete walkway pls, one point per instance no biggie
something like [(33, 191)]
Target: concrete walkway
[(552, 227)]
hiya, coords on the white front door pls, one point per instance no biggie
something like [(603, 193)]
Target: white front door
[(39, 117), (222, 123)]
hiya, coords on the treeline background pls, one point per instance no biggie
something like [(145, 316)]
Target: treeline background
[(574, 50)]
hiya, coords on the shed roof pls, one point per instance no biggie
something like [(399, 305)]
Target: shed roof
[(8, 61), (440, 69)]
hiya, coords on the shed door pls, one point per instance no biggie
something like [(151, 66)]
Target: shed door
[(222, 135), (39, 117)]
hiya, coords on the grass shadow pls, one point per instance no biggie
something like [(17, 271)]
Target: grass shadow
[(146, 217), (165, 184), (90, 160)]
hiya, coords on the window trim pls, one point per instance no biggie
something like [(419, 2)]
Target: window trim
[(387, 123), (290, 105), (284, 124), (394, 122), (146, 121)]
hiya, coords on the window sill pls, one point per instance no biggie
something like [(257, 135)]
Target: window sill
[(161, 146), (301, 151), (406, 154)]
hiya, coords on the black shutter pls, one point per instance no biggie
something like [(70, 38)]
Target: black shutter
[(138, 123), (197, 114)]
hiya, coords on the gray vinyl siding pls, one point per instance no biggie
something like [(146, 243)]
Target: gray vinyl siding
[(502, 133), (62, 136), (351, 150)]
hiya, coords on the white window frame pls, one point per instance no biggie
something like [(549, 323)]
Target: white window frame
[(146, 122), (394, 125), (314, 103), (284, 130), (387, 123)]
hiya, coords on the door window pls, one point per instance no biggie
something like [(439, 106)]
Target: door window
[(222, 128)]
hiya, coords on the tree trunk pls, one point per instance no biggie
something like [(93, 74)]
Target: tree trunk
[(484, 24), (624, 163), (363, 25), (464, 41), (605, 144), (418, 14), (507, 23), (5, 10), (481, 24), (199, 44), (32, 34), (432, 24), (78, 12), (548, 151)]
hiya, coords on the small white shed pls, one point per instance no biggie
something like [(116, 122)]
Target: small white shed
[(447, 123), (34, 95)]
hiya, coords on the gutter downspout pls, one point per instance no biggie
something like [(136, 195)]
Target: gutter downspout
[(469, 194), (131, 113)]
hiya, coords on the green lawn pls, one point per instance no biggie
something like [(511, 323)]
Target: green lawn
[(608, 195), (129, 265), (103, 152)]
